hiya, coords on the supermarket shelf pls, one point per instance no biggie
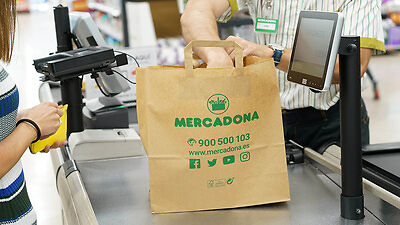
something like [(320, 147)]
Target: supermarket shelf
[(392, 47), (23, 10), (22, 6), (123, 35), (110, 31), (104, 8), (390, 7)]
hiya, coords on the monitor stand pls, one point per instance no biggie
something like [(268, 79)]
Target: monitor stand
[(352, 198), (71, 89)]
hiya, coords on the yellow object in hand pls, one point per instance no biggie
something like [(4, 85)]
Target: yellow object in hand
[(60, 135)]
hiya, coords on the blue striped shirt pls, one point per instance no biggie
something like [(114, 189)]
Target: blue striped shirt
[(15, 206)]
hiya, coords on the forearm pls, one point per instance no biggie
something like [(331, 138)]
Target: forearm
[(365, 55), (13, 147), (199, 23), (21, 114)]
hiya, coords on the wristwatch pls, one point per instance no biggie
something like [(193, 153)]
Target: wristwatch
[(278, 52)]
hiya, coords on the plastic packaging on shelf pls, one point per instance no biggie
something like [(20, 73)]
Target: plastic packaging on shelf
[(110, 27), (23, 6)]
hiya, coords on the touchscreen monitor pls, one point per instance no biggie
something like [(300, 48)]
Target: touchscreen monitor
[(315, 49)]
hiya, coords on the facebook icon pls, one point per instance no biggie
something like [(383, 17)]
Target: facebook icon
[(194, 163)]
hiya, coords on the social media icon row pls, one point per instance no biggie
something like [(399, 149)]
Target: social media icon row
[(195, 163)]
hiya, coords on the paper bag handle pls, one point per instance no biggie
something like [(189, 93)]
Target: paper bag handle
[(206, 43)]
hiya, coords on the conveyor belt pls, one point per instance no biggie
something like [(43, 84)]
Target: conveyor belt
[(381, 165), (118, 191)]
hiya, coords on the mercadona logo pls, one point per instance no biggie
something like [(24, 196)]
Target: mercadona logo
[(218, 104)]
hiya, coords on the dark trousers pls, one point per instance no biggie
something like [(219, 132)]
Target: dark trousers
[(318, 128)]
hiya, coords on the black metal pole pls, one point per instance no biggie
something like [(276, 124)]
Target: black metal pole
[(63, 30), (352, 198), (125, 30), (71, 92)]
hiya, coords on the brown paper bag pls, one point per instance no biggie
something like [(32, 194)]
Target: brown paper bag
[(213, 137)]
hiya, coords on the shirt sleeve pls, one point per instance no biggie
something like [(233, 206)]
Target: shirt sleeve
[(363, 18), (233, 8)]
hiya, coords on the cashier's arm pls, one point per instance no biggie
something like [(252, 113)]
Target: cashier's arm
[(264, 51), (199, 23), (365, 55)]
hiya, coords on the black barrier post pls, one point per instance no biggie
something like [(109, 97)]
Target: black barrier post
[(352, 198), (71, 92)]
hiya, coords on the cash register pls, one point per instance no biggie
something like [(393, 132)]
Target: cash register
[(67, 66)]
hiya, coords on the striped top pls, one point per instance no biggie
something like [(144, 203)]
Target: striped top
[(15, 206), (361, 17)]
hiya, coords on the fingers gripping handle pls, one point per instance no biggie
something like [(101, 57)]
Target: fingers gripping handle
[(223, 44)]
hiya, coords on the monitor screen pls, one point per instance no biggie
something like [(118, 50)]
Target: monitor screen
[(312, 49), (87, 34)]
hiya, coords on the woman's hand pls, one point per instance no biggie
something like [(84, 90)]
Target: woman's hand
[(46, 116), (249, 48)]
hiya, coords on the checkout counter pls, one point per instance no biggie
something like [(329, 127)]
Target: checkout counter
[(112, 187), (115, 191)]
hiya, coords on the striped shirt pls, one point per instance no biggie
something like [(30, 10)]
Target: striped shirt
[(362, 18), (15, 206)]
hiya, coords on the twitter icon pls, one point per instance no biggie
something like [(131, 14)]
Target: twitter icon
[(212, 163)]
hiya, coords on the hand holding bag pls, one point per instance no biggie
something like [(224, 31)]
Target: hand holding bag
[(213, 136)]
